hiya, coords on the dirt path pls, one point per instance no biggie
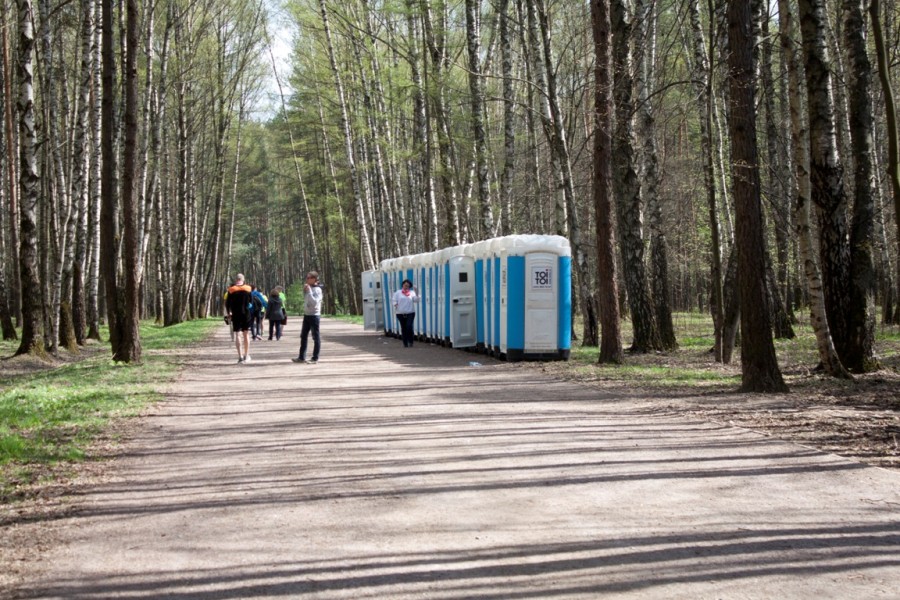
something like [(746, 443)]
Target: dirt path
[(392, 473)]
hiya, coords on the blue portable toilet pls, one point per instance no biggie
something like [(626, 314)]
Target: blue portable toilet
[(480, 253), (535, 297), (389, 271)]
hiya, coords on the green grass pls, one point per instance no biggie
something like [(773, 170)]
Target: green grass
[(691, 365), (355, 319), (52, 416)]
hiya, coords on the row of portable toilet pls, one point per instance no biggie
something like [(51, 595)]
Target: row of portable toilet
[(510, 297)]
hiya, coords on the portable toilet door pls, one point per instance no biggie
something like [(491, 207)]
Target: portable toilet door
[(462, 302), (542, 281), (497, 304), (387, 280), (373, 313), (422, 318), (502, 300), (479, 304)]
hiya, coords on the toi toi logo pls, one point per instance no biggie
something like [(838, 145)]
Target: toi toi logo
[(541, 277)]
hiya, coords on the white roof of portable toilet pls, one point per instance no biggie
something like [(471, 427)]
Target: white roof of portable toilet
[(479, 250)]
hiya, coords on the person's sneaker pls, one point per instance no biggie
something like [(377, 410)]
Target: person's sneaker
[(247, 358), (240, 360), (298, 360), (312, 362)]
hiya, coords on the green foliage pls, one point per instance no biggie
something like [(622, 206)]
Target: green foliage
[(52, 416), (294, 301)]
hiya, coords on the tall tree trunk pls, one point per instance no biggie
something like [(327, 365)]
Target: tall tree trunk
[(109, 212), (646, 82), (759, 365), (827, 174), (81, 174), (608, 292), (95, 201), (703, 86), (800, 147), (130, 349), (893, 137), (509, 127), (628, 189), (860, 348), (29, 186), (9, 122)]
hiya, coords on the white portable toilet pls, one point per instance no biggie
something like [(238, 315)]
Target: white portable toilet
[(463, 319), (536, 297), (373, 311), (417, 262)]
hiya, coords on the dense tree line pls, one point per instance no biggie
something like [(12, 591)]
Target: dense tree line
[(733, 157)]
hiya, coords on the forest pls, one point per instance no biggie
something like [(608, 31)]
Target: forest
[(737, 159)]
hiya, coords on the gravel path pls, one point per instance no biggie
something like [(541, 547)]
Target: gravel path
[(392, 473)]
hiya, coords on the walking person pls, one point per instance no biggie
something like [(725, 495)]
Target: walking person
[(238, 305), (276, 313), (260, 305), (404, 301), (312, 313)]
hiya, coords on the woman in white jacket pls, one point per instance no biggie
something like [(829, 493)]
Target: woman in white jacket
[(404, 301)]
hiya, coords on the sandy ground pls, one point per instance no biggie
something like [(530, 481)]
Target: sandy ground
[(385, 472)]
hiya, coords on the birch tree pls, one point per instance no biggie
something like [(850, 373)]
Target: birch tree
[(802, 197), (29, 183)]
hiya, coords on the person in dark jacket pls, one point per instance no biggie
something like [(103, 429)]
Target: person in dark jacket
[(276, 313), (238, 305)]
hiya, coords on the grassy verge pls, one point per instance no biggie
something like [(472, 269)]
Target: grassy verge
[(692, 364), (355, 319), (50, 416)]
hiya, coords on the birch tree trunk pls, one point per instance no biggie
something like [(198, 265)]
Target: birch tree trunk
[(95, 200), (81, 173), (703, 87), (645, 42), (509, 128), (759, 365), (9, 123), (29, 186), (627, 188), (800, 147), (827, 174)]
